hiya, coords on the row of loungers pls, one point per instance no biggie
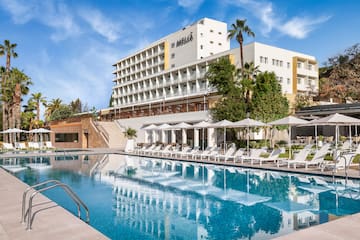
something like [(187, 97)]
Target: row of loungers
[(26, 146), (255, 156)]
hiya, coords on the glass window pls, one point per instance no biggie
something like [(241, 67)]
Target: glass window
[(299, 65), (273, 62), (266, 60), (288, 65), (66, 137), (172, 45), (299, 80), (261, 59), (288, 81), (172, 55), (201, 46), (281, 63)]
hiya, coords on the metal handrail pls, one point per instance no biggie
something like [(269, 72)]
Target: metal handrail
[(66, 188)]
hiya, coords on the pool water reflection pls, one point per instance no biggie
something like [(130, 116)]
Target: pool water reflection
[(145, 198)]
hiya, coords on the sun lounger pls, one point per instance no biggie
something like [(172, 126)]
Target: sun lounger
[(231, 151), (254, 153), (8, 146), (300, 156), (273, 157), (317, 159), (237, 155), (341, 162), (211, 154)]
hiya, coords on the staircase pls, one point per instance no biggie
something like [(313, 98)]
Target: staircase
[(114, 134)]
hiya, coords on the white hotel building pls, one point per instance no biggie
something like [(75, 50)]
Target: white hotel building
[(168, 76)]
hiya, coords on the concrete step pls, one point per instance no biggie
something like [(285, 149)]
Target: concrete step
[(115, 134)]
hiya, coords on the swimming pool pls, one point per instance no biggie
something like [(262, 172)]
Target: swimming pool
[(145, 198)]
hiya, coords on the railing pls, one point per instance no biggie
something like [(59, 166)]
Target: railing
[(101, 130), (28, 213)]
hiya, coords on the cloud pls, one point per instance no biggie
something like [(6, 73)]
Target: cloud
[(296, 27), (101, 24), (190, 5), (49, 13), (301, 27)]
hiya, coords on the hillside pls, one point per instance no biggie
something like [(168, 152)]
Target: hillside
[(340, 79)]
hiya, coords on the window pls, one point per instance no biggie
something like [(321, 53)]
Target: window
[(281, 79), (211, 42), (172, 45), (173, 55), (288, 81), (66, 137), (211, 53), (211, 30), (261, 59), (298, 65), (288, 65), (219, 33), (299, 80), (265, 60), (201, 34), (273, 62), (281, 63), (201, 46), (220, 43), (310, 67), (172, 65)]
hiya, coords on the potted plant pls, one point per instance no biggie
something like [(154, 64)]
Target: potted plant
[(320, 140), (130, 134)]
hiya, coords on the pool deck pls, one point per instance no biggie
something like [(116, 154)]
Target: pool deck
[(67, 226), (50, 222)]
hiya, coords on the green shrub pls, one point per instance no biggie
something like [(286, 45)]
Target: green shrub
[(356, 158)]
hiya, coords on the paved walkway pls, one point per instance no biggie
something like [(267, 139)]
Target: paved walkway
[(53, 223)]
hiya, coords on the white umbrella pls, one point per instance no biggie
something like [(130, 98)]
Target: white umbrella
[(336, 120), (151, 127), (289, 121), (164, 127), (40, 131), (13, 131), (203, 125), (223, 124), (247, 123), (182, 126)]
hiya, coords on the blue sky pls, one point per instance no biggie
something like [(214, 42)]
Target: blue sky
[(68, 47)]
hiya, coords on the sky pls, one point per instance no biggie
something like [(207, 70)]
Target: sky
[(68, 47)]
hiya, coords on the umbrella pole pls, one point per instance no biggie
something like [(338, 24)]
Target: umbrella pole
[(350, 137), (289, 142), (316, 138), (203, 138), (224, 140), (248, 141)]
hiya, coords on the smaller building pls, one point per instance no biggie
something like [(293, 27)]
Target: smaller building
[(76, 132)]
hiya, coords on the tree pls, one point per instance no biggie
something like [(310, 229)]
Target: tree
[(232, 107), (52, 107), (222, 75), (76, 106), (247, 81), (60, 113), (38, 99), (130, 133), (238, 28), (7, 49), (268, 103)]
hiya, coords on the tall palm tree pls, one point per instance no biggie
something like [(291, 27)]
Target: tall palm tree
[(247, 83), (238, 29), (52, 106), (38, 99), (7, 49)]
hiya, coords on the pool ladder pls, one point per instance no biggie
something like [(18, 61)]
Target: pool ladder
[(42, 187)]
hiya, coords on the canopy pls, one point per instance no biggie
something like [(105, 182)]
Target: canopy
[(247, 123), (181, 125), (164, 126), (202, 124), (40, 130), (290, 121), (13, 130), (150, 127), (336, 119), (223, 124)]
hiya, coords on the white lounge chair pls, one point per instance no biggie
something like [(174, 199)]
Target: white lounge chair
[(300, 156), (273, 157), (317, 159), (231, 151), (254, 153), (8, 146)]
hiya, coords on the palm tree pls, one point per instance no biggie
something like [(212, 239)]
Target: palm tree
[(52, 106), (38, 99), (237, 31), (247, 83), (7, 49)]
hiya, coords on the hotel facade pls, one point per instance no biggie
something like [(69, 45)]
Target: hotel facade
[(168, 76)]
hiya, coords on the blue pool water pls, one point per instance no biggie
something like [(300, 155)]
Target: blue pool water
[(144, 198)]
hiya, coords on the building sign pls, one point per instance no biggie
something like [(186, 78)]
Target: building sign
[(184, 40)]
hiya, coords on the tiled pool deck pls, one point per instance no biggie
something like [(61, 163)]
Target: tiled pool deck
[(57, 223)]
